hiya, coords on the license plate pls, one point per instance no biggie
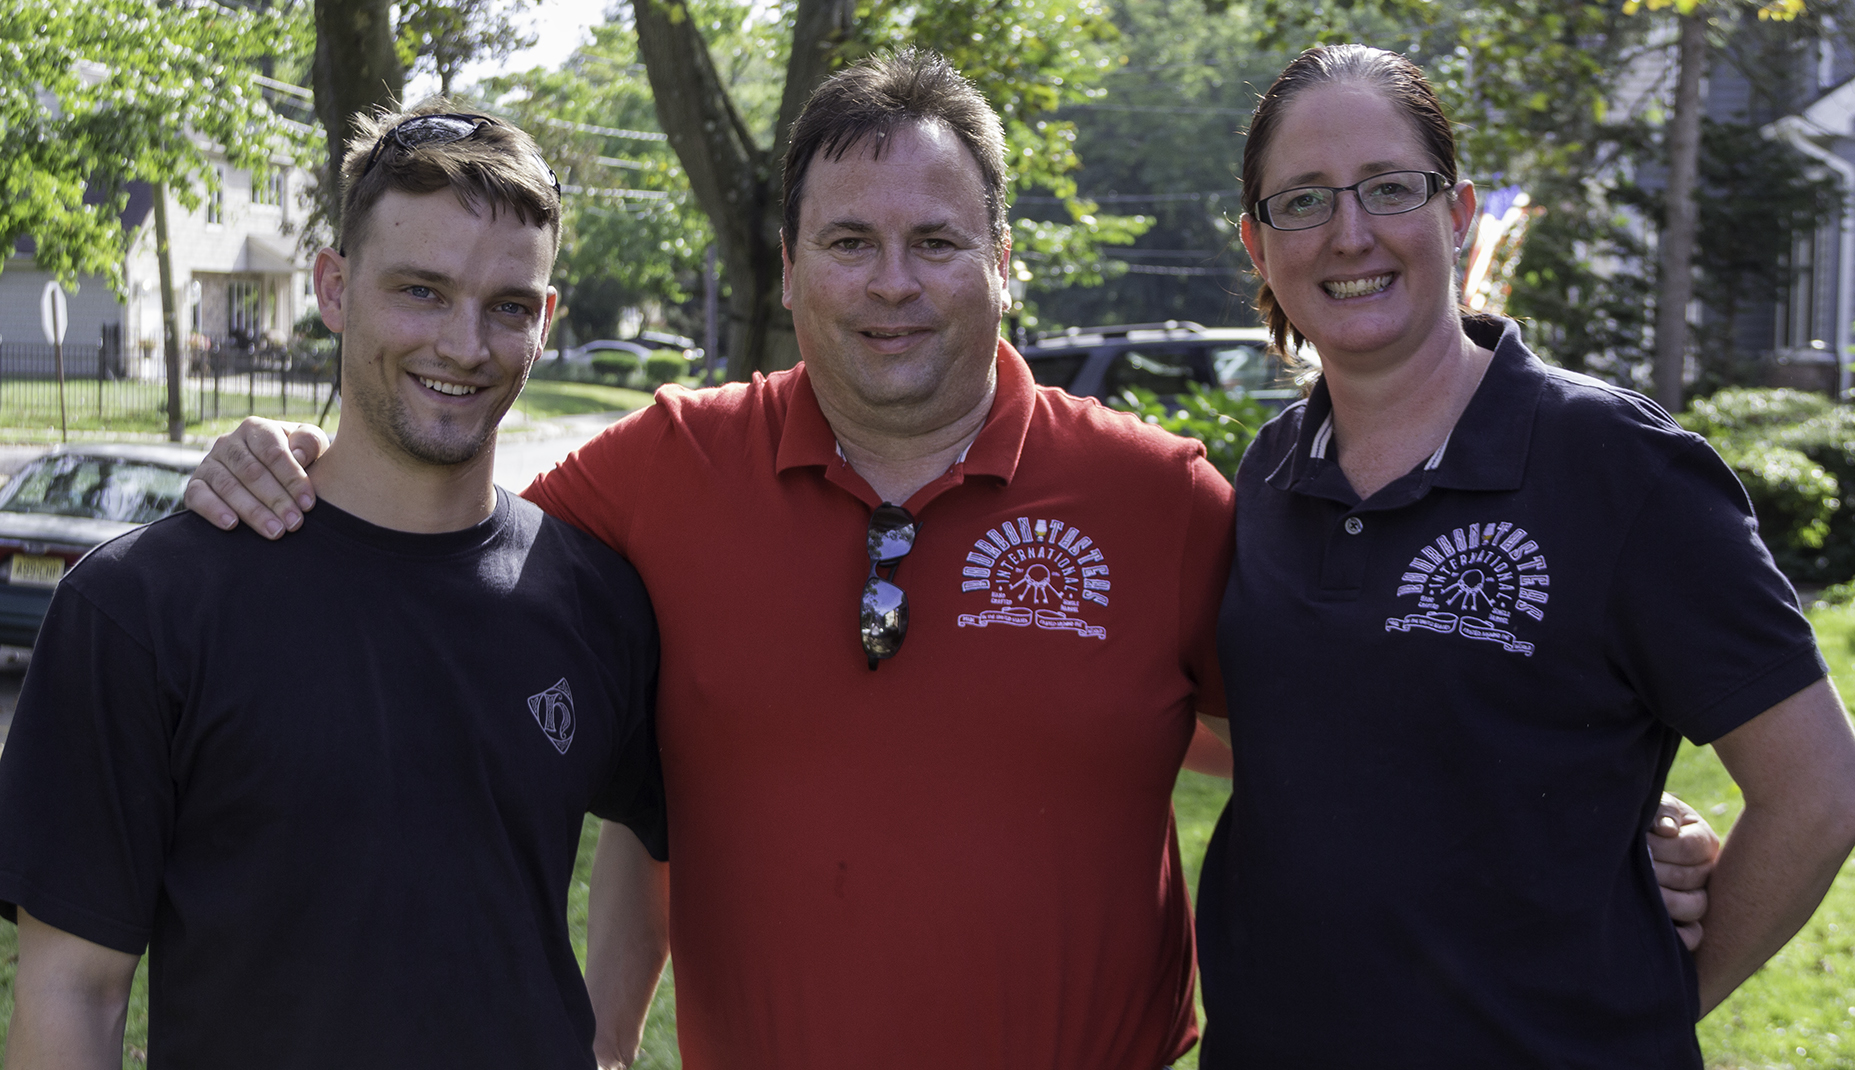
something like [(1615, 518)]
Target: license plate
[(31, 570)]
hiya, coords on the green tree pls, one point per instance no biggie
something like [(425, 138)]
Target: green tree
[(441, 36), (1028, 56), (632, 234), (96, 95)]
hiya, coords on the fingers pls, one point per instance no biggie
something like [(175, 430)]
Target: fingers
[(1690, 934), (1685, 907), (1685, 878), (256, 474), (1680, 836)]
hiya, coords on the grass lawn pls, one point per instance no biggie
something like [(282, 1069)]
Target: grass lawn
[(544, 399), (1797, 1012)]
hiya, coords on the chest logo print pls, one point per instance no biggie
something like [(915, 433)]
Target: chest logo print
[(1473, 581), (553, 710), (1038, 574)]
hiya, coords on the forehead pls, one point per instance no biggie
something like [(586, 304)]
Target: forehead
[(1338, 133), (923, 172), (437, 232)]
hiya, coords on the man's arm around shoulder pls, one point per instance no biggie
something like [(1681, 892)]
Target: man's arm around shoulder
[(70, 1001)]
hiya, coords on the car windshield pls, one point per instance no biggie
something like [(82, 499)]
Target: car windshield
[(106, 488)]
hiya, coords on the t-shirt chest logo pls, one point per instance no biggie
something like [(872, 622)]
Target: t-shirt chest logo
[(1038, 573), (553, 711), (1473, 581)]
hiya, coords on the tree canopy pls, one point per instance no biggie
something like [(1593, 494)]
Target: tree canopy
[(96, 95)]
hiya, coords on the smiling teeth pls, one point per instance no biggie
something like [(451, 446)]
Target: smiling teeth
[(1357, 287), (453, 389)]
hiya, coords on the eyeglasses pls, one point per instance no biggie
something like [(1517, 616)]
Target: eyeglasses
[(1392, 193), (442, 129), (882, 617)]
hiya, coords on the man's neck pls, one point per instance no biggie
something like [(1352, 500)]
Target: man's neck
[(405, 494), (896, 457)]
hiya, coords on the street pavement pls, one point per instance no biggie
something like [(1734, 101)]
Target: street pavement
[(524, 450)]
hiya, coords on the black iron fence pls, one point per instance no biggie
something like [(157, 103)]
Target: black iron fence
[(110, 387)]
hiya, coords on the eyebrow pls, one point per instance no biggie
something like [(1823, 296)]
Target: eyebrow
[(860, 226), (1374, 167)]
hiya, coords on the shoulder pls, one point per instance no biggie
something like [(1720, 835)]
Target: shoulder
[(1587, 416), (1084, 428), (572, 563), (179, 548)]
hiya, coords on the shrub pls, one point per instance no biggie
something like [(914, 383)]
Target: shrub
[(1223, 423), (617, 367), (661, 368), (1794, 451)]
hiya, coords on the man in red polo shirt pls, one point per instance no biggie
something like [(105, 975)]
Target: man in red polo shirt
[(932, 639)]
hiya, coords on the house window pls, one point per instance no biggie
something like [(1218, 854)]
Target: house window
[(215, 199), (270, 189), (243, 306), (1797, 308)]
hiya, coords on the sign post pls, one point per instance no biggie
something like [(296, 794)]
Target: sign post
[(54, 317)]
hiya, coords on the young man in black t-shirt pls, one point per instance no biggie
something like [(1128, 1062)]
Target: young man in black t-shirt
[(360, 858)]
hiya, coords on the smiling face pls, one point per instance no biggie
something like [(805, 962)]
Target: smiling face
[(442, 311), (896, 282), (1359, 286)]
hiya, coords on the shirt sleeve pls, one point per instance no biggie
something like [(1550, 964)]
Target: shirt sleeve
[(1706, 629), (596, 488), (87, 798), (1210, 538), (633, 795)]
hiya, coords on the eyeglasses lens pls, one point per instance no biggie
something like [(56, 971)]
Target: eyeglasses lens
[(1392, 193), (882, 618)]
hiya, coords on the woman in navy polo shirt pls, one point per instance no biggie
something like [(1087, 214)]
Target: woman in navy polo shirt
[(1485, 597)]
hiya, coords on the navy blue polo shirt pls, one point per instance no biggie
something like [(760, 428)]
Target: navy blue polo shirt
[(1453, 707)]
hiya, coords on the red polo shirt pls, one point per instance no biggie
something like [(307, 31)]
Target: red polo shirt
[(963, 859)]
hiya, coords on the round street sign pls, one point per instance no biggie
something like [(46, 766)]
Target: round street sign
[(53, 317)]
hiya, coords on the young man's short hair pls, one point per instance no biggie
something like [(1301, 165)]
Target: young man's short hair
[(495, 165)]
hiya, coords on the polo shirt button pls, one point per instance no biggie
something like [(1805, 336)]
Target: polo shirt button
[(1354, 525)]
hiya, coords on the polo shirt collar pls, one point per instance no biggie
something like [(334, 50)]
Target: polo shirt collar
[(807, 438), (1487, 449)]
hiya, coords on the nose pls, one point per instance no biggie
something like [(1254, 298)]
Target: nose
[(1351, 224), (893, 278), (463, 336)]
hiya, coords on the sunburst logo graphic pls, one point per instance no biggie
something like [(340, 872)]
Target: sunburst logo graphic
[(1037, 572), (1473, 581)]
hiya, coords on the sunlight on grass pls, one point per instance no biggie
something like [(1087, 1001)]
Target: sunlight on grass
[(544, 399)]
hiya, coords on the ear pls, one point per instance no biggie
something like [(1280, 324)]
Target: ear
[(1462, 213), (785, 272), (331, 278), (1251, 233), (547, 323), (1004, 272)]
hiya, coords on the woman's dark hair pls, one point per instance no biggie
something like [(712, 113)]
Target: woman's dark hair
[(1402, 83)]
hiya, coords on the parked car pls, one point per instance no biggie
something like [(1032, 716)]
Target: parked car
[(67, 501), (583, 354), (1102, 362)]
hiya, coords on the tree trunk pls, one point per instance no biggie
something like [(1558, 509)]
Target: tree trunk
[(737, 183), (170, 319), (1678, 229), (355, 70)]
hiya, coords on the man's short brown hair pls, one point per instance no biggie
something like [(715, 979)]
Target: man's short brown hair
[(498, 166), (871, 98)]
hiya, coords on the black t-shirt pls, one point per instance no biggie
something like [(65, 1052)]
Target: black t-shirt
[(1453, 707), (335, 784)]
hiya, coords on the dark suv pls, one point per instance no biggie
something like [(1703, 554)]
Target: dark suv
[(1165, 358)]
